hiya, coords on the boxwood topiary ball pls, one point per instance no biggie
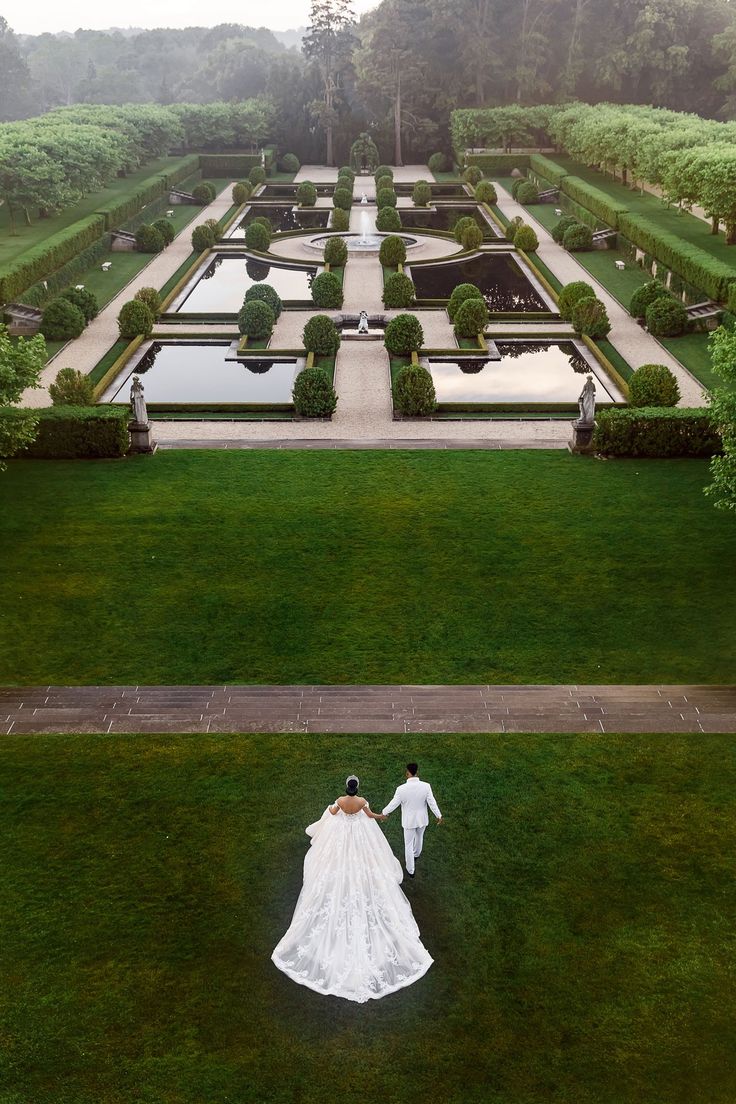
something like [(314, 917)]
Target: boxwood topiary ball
[(327, 291), (653, 385), (321, 336), (414, 394), (256, 319), (314, 396), (404, 335), (266, 294), (471, 318), (398, 291)]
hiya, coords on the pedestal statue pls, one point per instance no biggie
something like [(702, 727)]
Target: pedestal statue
[(141, 437), (582, 427), (363, 322)]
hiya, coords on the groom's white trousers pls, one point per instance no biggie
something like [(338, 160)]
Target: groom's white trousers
[(413, 840)]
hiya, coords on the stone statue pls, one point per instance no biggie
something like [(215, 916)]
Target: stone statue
[(138, 402), (364, 199), (586, 402), (363, 322)]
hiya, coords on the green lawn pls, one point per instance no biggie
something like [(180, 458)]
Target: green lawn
[(578, 903), (692, 351), (362, 567)]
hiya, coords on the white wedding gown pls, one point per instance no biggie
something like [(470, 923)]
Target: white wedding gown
[(353, 934)]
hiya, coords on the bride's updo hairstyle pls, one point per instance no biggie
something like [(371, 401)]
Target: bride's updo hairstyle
[(351, 785)]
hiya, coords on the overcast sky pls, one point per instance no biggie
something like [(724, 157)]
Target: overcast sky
[(36, 16)]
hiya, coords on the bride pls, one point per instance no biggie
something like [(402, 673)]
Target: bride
[(353, 934)]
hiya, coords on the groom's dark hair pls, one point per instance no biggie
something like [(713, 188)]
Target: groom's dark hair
[(412, 768)]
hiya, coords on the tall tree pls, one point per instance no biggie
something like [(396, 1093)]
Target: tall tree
[(329, 42), (20, 366)]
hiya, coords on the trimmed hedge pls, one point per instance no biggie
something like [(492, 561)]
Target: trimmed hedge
[(414, 394), (547, 169), (666, 317), (327, 291), (570, 296), (127, 206), (398, 292), (321, 336), (256, 319), (228, 164), (471, 318), (656, 432), (313, 394), (690, 262), (266, 294), (340, 219), (599, 203), (404, 335), (62, 320), (653, 385), (36, 263), (388, 220), (37, 295), (77, 432), (460, 293), (336, 252), (392, 251), (498, 164)]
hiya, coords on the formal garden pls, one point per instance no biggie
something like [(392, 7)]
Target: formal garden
[(317, 375)]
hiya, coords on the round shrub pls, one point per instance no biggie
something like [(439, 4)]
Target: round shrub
[(327, 291), (346, 173), (459, 295), (264, 221), (343, 199), (306, 194), (572, 294), (512, 226), (471, 318), (561, 227), (151, 298), (421, 193), (72, 388), (515, 185), (340, 219), (644, 296), (61, 320), (135, 319), (437, 163), (314, 396), (257, 175), (485, 192), (472, 175), (166, 229), (589, 317), (148, 239), (653, 385), (215, 226), (404, 335), (578, 238), (321, 336), (526, 239), (388, 220), (202, 238), (289, 163), (666, 317), (203, 193), (266, 294), (257, 237), (392, 251), (527, 193), (384, 182), (472, 236), (383, 170), (336, 252), (256, 319), (386, 197), (398, 291), (85, 300), (241, 192), (414, 394), (460, 227)]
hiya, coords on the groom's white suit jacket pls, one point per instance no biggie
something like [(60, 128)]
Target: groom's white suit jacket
[(414, 797)]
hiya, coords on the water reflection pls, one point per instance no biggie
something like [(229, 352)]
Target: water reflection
[(443, 218), (283, 217), (528, 372), (222, 286), (501, 280)]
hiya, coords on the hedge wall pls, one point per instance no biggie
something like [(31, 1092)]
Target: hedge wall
[(78, 432), (547, 169), (41, 259), (189, 166), (656, 432), (693, 264), (596, 201), (37, 295), (148, 190), (498, 164), (234, 165)]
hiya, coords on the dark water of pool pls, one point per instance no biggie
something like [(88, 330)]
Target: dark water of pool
[(444, 218), (528, 372), (199, 373), (222, 286), (499, 276), (288, 191), (284, 217), (439, 191)]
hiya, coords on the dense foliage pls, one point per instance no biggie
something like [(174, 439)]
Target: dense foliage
[(327, 291), (723, 406), (645, 295), (342, 198), (578, 238), (589, 317), (459, 295), (421, 193), (414, 394), (398, 291), (257, 237), (256, 319), (135, 319), (392, 251), (471, 318), (148, 239), (21, 362), (485, 192), (77, 432), (203, 193), (653, 385), (386, 197), (241, 192), (84, 299), (340, 219), (336, 252), (656, 432), (404, 335), (71, 388), (666, 317), (526, 239), (62, 320), (306, 194), (314, 396), (266, 294), (321, 336), (388, 220), (203, 238), (571, 294)]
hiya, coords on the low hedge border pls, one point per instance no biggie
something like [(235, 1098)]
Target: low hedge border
[(77, 432), (597, 202), (690, 262), (42, 259), (107, 375), (656, 433), (499, 164), (236, 165), (546, 168)]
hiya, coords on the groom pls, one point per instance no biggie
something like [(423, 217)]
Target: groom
[(413, 797)]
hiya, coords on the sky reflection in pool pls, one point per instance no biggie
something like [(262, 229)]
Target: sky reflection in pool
[(529, 372), (284, 217), (222, 286)]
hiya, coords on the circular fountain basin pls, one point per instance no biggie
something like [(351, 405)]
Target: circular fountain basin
[(367, 245)]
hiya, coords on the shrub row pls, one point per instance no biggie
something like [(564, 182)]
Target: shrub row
[(187, 167), (547, 169), (77, 432), (656, 432), (598, 202), (235, 165), (498, 164), (37, 262), (689, 261), (124, 208), (37, 295)]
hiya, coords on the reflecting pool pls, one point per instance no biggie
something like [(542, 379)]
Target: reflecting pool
[(502, 281), (283, 217), (221, 287), (444, 218)]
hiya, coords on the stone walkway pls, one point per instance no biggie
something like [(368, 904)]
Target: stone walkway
[(635, 344), (368, 709), (102, 333)]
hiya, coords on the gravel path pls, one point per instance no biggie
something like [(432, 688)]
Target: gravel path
[(635, 344)]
